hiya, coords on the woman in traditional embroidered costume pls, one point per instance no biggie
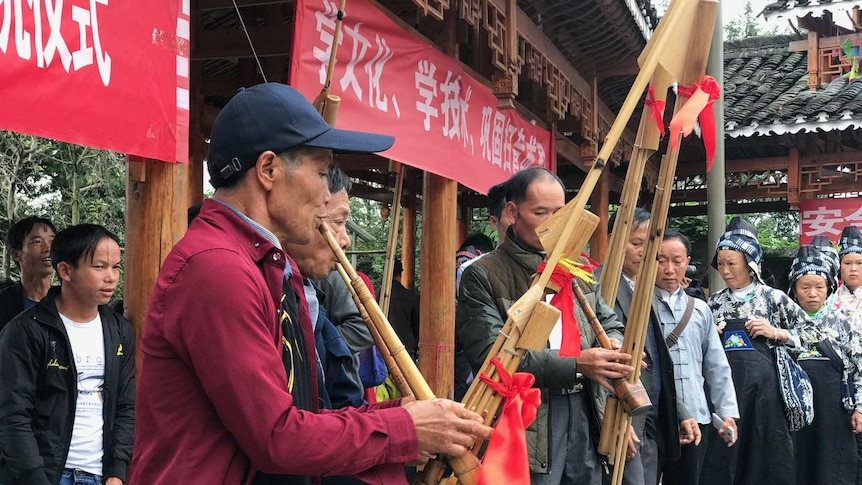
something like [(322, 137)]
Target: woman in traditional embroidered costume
[(848, 303), (825, 450), (755, 322)]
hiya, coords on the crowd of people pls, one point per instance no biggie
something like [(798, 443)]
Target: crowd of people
[(250, 355)]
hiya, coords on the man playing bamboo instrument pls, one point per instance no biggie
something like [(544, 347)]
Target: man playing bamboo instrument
[(561, 440), (213, 403), (657, 435)]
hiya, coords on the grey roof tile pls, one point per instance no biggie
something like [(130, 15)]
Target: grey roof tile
[(765, 83)]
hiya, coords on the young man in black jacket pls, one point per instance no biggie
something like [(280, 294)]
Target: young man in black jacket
[(67, 382), (29, 242)]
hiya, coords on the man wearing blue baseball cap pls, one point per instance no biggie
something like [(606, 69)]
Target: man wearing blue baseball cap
[(214, 404)]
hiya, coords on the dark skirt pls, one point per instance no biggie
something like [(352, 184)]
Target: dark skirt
[(825, 450), (763, 452)]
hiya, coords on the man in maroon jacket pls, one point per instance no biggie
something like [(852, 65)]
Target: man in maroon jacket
[(214, 404)]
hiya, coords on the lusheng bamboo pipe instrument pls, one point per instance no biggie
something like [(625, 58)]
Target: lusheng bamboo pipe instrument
[(528, 326), (689, 53), (394, 372), (395, 348)]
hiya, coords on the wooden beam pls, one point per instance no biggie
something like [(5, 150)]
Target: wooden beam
[(772, 163), (802, 45), (270, 40), (731, 208), (755, 164), (216, 4)]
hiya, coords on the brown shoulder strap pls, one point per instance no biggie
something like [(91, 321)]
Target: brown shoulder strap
[(673, 338)]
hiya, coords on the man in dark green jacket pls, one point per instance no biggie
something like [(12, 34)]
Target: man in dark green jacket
[(562, 440)]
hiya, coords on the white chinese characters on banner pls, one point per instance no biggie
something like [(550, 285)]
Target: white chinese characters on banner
[(828, 217), (23, 25), (390, 81), (370, 67)]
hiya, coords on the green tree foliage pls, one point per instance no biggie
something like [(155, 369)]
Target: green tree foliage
[(745, 26), (367, 215)]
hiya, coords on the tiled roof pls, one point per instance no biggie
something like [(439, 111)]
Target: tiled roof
[(801, 8), (766, 91)]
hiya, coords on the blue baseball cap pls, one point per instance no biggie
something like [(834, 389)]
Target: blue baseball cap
[(276, 117)]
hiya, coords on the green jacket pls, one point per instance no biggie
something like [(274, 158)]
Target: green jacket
[(488, 288)]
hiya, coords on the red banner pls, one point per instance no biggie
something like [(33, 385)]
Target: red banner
[(827, 217), (444, 121), (108, 74)]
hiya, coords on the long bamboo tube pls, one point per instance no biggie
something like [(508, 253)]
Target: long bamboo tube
[(394, 372), (393, 343), (701, 27), (394, 223)]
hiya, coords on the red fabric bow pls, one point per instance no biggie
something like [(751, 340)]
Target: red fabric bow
[(699, 105), (564, 301), (656, 107), (506, 458)]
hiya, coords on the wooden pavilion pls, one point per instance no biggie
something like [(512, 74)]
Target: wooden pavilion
[(540, 58), (791, 121)]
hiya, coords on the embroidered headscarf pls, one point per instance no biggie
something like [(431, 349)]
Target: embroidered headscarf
[(851, 241), (742, 236), (810, 260), (830, 254)]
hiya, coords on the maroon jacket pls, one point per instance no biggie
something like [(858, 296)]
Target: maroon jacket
[(212, 401)]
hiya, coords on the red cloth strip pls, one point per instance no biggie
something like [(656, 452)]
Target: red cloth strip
[(506, 458)]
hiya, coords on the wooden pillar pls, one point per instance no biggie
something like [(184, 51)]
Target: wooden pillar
[(198, 148), (465, 215), (155, 220), (599, 201), (794, 178), (408, 233), (813, 61), (437, 303)]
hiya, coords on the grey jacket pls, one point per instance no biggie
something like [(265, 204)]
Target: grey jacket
[(342, 312), (488, 288)]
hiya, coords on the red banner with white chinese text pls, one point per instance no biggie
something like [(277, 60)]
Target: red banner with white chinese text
[(444, 121), (828, 217), (106, 74)]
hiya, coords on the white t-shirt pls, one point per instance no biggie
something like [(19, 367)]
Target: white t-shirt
[(88, 350)]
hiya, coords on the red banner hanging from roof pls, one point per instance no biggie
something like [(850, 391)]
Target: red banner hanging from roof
[(444, 121), (828, 217), (106, 74)]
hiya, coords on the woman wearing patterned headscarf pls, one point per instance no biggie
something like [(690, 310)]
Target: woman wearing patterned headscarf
[(825, 450), (848, 303), (755, 322)]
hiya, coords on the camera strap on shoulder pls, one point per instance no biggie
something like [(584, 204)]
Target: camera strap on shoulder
[(673, 338)]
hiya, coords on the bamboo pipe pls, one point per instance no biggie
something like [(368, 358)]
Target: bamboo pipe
[(394, 372), (393, 343), (394, 222)]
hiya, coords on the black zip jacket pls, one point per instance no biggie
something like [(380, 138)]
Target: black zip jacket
[(38, 390), (11, 303)]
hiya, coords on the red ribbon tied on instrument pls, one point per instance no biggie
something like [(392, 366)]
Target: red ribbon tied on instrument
[(656, 107), (564, 301), (506, 458), (699, 106)]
